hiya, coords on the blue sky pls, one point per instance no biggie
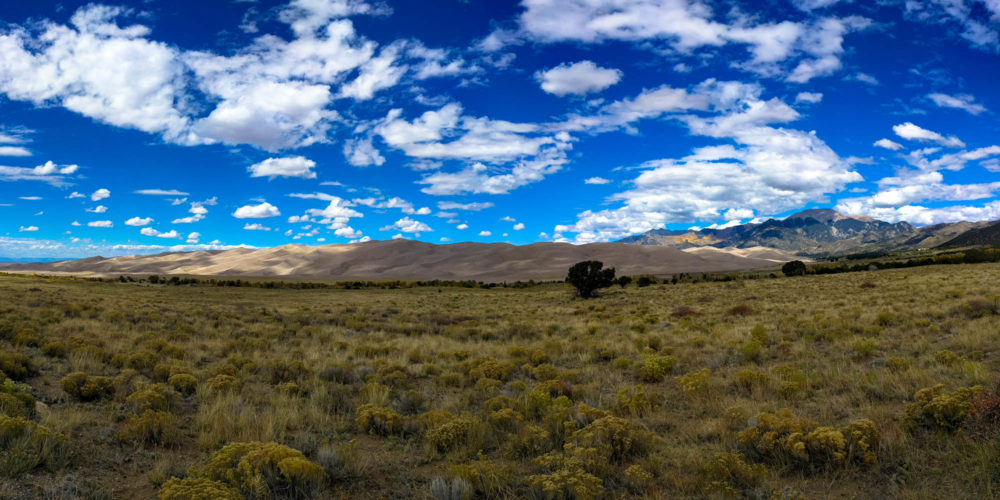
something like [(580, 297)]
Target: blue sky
[(141, 127)]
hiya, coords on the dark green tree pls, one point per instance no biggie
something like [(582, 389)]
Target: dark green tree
[(588, 276), (794, 268), (623, 281)]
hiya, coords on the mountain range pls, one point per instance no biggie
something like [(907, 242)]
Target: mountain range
[(824, 233)]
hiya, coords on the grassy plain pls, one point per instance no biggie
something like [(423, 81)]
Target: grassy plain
[(667, 391)]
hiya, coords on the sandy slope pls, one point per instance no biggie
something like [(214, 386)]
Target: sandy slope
[(403, 259), (763, 253)]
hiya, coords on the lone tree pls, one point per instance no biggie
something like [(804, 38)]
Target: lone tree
[(588, 276), (794, 268)]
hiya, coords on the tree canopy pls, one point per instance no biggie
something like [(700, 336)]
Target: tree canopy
[(590, 275)]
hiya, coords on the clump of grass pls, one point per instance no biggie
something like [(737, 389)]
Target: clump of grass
[(25, 446), (379, 420), (152, 427), (728, 475)]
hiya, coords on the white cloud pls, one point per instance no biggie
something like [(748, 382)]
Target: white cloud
[(578, 78), (408, 225), (462, 227), (14, 151), (485, 233), (362, 153), (863, 78), (888, 144), (160, 192), (256, 227), (473, 207), (99, 209), (101, 223), (28, 229), (172, 234), (915, 133), (964, 102), (810, 97), (597, 180), (139, 221), (74, 194), (100, 194), (193, 238), (30, 198), (348, 232), (48, 172), (519, 226), (756, 168), (293, 166), (260, 211)]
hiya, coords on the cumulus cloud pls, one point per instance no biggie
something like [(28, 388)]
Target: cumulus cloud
[(915, 133), (519, 226), (99, 209), (101, 223), (193, 238), (964, 102), (274, 93), (462, 227), (408, 225), (259, 211), (362, 153), (473, 207), (758, 167), (578, 78), (256, 227), (597, 180), (485, 233), (100, 194), (139, 221), (292, 166), (48, 172), (28, 229), (172, 234)]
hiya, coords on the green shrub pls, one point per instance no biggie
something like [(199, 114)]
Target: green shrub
[(83, 387), (25, 446), (156, 397), (17, 366), (933, 409), (221, 384), (566, 478), (695, 383), (491, 368), (197, 489), (54, 350), (15, 399)]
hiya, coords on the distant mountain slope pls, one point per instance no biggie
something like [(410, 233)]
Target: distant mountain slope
[(403, 259), (986, 235), (811, 232)]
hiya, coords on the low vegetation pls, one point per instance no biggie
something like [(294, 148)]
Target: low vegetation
[(878, 384)]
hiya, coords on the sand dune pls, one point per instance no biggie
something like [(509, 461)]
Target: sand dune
[(403, 259), (763, 253)]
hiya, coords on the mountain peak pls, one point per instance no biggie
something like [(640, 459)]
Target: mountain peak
[(826, 215)]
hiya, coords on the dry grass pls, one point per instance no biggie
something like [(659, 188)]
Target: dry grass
[(518, 393)]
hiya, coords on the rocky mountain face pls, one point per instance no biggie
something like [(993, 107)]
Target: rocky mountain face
[(818, 232)]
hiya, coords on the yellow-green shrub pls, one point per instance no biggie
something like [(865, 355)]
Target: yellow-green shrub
[(379, 420), (25, 445), (695, 382), (184, 383), (83, 387), (934, 409), (636, 402), (747, 380), (565, 478), (221, 384), (655, 368), (783, 439), (264, 470), (17, 366), (489, 479), (727, 474), (152, 427), (458, 431), (491, 368), (54, 350), (15, 400), (197, 489)]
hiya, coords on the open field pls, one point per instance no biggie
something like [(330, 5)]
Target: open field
[(665, 391)]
